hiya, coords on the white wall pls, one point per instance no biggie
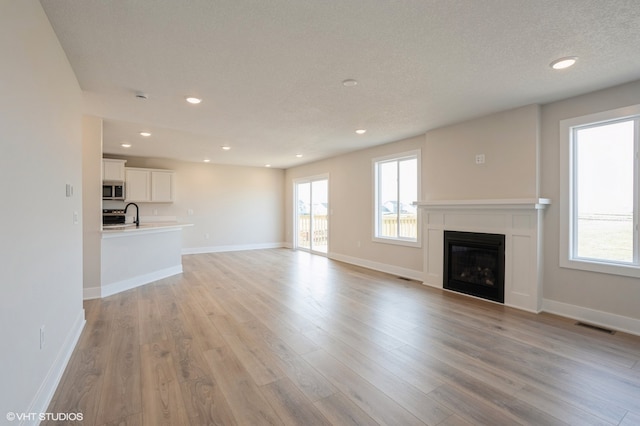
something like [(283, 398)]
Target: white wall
[(585, 293), (237, 207), (351, 202), (41, 247), (509, 140), (91, 200)]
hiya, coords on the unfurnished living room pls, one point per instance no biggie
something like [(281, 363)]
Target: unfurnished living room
[(244, 212)]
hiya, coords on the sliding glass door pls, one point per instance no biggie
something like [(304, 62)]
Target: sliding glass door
[(311, 200)]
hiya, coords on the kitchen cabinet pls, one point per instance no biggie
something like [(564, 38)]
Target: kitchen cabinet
[(150, 185), (138, 185), (162, 186), (113, 169)]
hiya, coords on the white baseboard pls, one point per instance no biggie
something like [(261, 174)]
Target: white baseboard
[(43, 397), (91, 293), (239, 247), (377, 266), (128, 284), (592, 316)]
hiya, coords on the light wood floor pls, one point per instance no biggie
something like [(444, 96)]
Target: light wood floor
[(284, 337)]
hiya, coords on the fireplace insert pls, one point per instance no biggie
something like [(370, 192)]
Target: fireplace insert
[(474, 264)]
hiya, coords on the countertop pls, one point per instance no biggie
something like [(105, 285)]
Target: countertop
[(149, 227)]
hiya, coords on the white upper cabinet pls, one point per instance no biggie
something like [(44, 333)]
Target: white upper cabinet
[(162, 186), (150, 185), (138, 185), (113, 169)]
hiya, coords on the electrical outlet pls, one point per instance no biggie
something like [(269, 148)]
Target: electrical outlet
[(480, 159), (76, 218), (41, 336), (190, 212), (155, 212), (206, 236)]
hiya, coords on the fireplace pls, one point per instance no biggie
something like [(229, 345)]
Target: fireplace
[(474, 264), (520, 220)]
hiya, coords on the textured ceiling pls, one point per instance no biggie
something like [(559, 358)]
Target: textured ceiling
[(270, 72)]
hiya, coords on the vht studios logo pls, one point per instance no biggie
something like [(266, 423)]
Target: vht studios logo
[(55, 417)]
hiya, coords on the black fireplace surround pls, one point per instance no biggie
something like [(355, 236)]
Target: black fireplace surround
[(474, 264)]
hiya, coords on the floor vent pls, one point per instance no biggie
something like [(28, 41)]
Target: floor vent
[(595, 327)]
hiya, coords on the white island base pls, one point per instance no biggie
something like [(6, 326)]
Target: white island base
[(132, 257)]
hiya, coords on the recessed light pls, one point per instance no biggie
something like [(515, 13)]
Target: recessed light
[(361, 131), (141, 95), (145, 134), (193, 100), (562, 63), (299, 155), (125, 145), (226, 147), (267, 165), (349, 83), (206, 160)]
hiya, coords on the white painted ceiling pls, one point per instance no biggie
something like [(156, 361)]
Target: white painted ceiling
[(271, 72)]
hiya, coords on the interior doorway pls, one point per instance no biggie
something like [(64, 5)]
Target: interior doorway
[(311, 203)]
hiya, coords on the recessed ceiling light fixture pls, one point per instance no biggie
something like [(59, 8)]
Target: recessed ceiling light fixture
[(193, 100), (349, 83), (141, 95), (145, 134), (206, 160), (562, 63), (361, 131), (125, 145), (267, 165), (299, 155), (226, 147)]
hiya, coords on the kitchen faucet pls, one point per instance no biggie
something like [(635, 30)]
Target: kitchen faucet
[(137, 220)]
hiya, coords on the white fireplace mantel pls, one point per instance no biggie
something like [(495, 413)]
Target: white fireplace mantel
[(507, 203), (518, 219)]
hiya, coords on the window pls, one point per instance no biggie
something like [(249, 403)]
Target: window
[(599, 190), (397, 180)]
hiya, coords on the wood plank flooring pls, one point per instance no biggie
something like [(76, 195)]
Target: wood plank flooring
[(284, 337)]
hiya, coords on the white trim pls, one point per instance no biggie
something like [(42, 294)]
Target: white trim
[(414, 153), (566, 193), (240, 247), (378, 266), (42, 399), (89, 293), (310, 180), (592, 316), (505, 203), (137, 281)]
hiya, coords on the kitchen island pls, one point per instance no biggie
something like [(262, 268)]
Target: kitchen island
[(133, 256)]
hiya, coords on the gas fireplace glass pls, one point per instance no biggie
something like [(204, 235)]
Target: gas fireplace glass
[(474, 264)]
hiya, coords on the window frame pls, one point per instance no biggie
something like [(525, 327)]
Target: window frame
[(568, 196), (402, 241)]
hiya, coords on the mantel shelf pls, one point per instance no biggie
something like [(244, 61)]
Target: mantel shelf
[(504, 203)]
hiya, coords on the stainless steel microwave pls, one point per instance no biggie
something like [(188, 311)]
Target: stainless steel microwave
[(113, 190)]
